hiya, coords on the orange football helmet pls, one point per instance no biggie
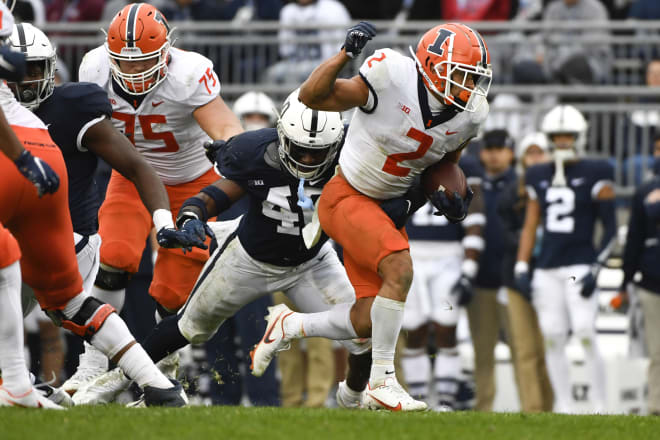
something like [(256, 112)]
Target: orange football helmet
[(138, 32), (450, 48)]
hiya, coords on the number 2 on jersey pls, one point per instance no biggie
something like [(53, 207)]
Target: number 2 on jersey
[(392, 166), (146, 121), (561, 203)]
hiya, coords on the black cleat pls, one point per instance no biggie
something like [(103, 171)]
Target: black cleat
[(174, 396)]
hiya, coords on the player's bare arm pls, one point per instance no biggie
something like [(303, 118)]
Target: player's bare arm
[(10, 144), (217, 119), (528, 233), (323, 91), (113, 147), (211, 201)]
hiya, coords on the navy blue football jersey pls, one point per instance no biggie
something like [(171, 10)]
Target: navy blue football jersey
[(68, 113), (423, 225), (568, 213), (271, 230)]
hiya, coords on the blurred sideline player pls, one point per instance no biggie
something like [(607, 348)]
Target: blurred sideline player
[(282, 172), (445, 260), (78, 119), (413, 113), (166, 102), (568, 196), (255, 110), (43, 229)]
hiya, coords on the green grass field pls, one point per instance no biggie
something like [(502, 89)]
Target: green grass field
[(200, 423)]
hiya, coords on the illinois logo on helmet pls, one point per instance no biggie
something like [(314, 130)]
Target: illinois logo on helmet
[(455, 48), (139, 32)]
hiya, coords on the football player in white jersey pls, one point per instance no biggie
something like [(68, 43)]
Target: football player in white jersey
[(166, 101), (413, 112)]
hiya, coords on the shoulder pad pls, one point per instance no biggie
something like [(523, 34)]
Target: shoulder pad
[(535, 173), (243, 156), (94, 67), (384, 67), (84, 98), (195, 81)]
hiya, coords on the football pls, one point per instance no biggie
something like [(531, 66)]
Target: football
[(444, 175)]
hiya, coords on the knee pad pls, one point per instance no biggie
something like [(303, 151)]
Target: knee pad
[(87, 321), (111, 279), (357, 346)]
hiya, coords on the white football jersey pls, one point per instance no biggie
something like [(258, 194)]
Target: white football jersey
[(395, 136), (162, 127)]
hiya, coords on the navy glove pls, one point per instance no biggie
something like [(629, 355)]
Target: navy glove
[(12, 64), (357, 38), (38, 172), (401, 208), (522, 282), (455, 208), (211, 149), (193, 232), (462, 290), (589, 282)]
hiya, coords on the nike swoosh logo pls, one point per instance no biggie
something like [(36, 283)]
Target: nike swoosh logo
[(449, 133), (389, 372), (267, 339), (391, 408), (156, 104)]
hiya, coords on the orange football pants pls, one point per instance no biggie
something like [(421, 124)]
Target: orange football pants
[(362, 228), (124, 225), (9, 250), (42, 226)]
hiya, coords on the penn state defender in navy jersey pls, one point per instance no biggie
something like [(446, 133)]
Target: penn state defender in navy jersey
[(282, 173), (445, 259), (78, 120), (567, 197), (68, 113)]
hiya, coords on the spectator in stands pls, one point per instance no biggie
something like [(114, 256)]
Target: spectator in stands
[(74, 10), (303, 49), (486, 313), (374, 9), (642, 255), (534, 388), (182, 10), (645, 10), (566, 54), (30, 11), (462, 10)]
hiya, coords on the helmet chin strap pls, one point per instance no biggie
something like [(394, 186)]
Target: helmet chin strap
[(561, 156)]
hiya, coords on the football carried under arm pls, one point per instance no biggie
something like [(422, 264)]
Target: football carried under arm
[(323, 91)]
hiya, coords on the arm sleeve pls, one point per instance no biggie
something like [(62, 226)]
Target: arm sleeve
[(634, 239)]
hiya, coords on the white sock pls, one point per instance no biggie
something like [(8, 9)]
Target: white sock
[(15, 376), (596, 368), (115, 298), (137, 365), (557, 363), (386, 321), (334, 323), (446, 371), (416, 371)]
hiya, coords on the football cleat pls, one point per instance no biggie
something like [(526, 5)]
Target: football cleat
[(93, 364), (347, 398), (31, 399), (273, 341), (55, 395), (175, 396), (102, 390), (391, 396)]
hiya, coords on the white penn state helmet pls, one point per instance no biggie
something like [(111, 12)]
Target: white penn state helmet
[(255, 103), (535, 138), (37, 49), (566, 119), (303, 132)]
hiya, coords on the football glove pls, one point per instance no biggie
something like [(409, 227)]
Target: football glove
[(38, 172), (589, 282), (193, 232), (401, 208), (12, 64), (357, 37), (211, 149), (522, 281), (462, 290), (455, 209)]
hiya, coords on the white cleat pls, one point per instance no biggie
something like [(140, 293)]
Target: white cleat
[(391, 396), (103, 390), (347, 398), (32, 399), (93, 364), (273, 341)]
